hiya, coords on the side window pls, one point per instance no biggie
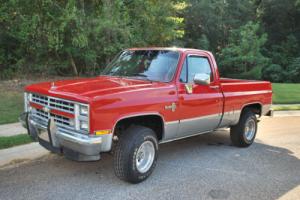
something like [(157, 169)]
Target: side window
[(198, 65), (183, 74)]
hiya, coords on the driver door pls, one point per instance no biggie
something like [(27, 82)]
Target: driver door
[(200, 105)]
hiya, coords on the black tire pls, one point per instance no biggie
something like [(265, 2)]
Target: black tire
[(126, 150), (238, 133)]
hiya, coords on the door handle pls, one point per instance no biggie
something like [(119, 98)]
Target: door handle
[(214, 87)]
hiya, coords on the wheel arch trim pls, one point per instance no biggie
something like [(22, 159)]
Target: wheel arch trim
[(253, 103), (143, 114)]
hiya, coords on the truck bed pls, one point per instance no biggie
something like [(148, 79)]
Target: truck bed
[(238, 93)]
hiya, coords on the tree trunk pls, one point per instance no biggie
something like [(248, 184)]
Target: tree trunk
[(75, 71)]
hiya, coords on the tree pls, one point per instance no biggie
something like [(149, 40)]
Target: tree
[(285, 52), (273, 73), (243, 55), (294, 71), (82, 36), (280, 19), (210, 22), (154, 22), (78, 36)]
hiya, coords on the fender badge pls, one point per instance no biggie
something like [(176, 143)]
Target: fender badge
[(171, 107)]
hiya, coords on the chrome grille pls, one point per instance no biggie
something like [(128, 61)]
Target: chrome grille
[(42, 114), (59, 120), (42, 100), (53, 103)]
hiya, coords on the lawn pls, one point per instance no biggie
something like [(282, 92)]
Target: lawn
[(11, 96), (10, 141), (11, 106), (279, 107), (286, 93)]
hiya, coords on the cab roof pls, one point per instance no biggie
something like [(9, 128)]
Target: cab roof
[(179, 49)]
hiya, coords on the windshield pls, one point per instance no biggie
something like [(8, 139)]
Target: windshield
[(153, 65)]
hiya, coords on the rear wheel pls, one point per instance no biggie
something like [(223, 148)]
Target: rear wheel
[(135, 154), (243, 134)]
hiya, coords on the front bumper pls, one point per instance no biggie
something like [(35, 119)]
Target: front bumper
[(55, 139)]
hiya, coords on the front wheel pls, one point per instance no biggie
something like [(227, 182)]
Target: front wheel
[(243, 134), (136, 154)]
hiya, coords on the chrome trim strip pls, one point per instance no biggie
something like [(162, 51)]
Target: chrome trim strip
[(25, 102), (199, 118), (79, 138), (172, 122), (187, 136), (246, 93), (241, 82)]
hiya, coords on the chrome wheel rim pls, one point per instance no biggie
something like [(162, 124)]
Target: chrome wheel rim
[(145, 157), (250, 129)]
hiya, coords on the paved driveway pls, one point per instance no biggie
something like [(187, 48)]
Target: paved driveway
[(203, 167)]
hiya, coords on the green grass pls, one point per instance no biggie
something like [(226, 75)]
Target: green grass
[(286, 93), (10, 141), (11, 106), (286, 107)]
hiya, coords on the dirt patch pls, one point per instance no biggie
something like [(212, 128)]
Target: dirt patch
[(21, 162)]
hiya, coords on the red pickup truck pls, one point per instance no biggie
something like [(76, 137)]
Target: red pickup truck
[(144, 97)]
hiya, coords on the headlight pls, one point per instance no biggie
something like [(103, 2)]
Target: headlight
[(83, 110), (84, 125), (82, 118)]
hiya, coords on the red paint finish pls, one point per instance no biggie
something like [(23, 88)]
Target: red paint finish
[(53, 111), (113, 98), (37, 106), (64, 114)]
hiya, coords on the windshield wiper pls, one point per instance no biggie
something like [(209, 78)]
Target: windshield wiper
[(142, 75)]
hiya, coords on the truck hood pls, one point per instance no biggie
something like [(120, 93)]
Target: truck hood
[(86, 89)]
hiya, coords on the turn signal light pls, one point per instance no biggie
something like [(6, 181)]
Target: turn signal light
[(102, 132)]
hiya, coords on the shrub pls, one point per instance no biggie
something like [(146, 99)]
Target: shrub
[(293, 71), (273, 73)]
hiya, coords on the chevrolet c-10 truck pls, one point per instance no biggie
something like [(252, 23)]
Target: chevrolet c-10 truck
[(144, 97)]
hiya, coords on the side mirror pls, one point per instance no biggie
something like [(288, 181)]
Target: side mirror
[(202, 79)]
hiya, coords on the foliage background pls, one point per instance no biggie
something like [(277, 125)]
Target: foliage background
[(255, 39)]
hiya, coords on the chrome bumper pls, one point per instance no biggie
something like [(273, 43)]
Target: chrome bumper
[(66, 140)]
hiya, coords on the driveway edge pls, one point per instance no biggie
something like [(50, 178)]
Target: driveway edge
[(21, 153)]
